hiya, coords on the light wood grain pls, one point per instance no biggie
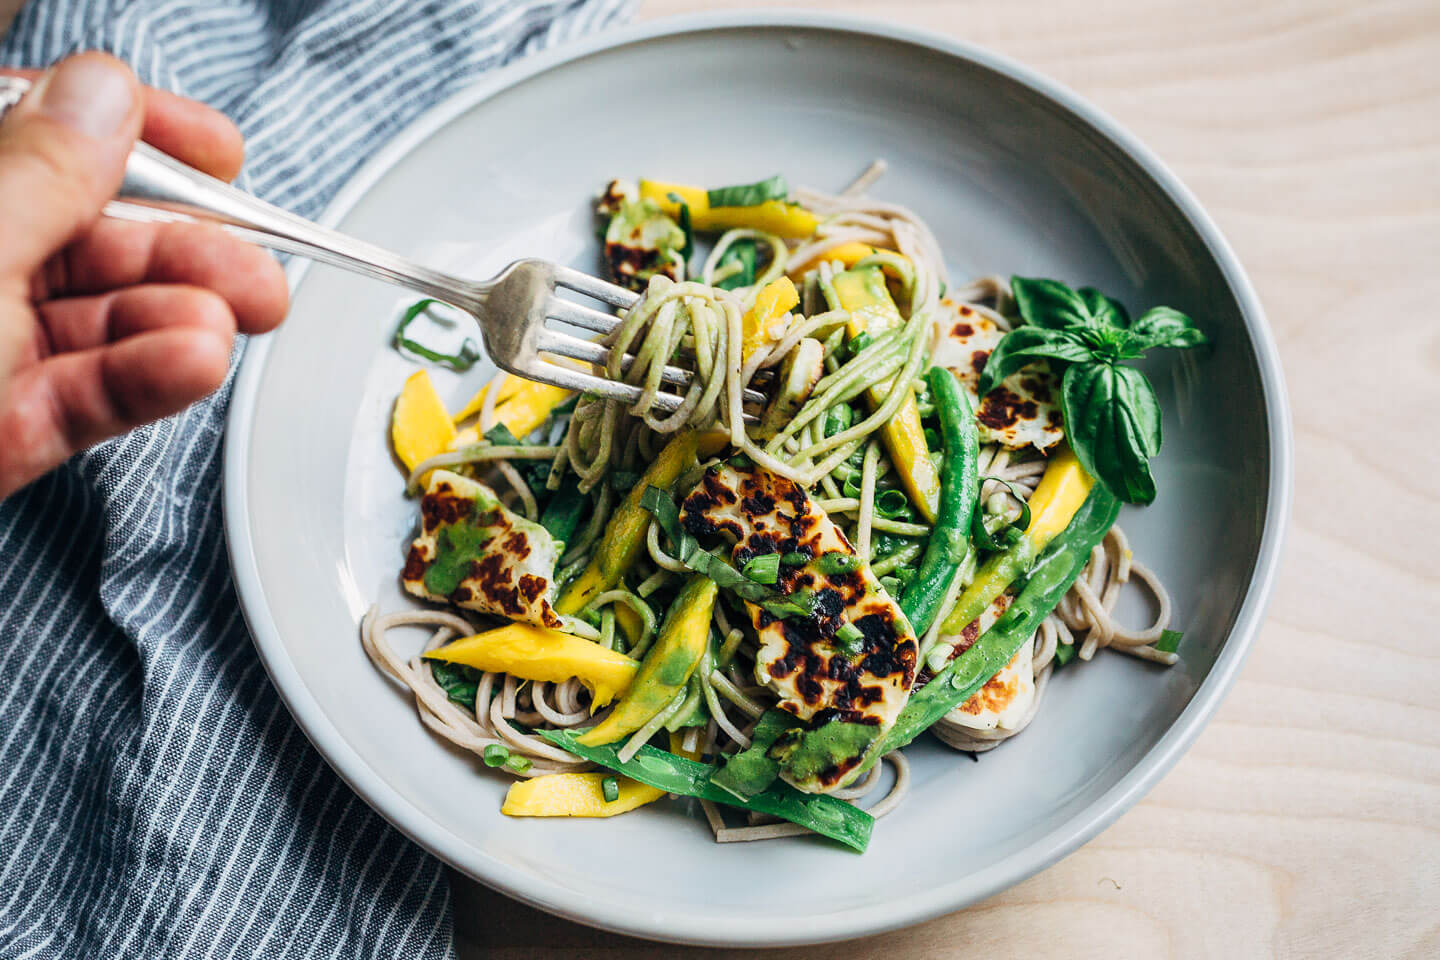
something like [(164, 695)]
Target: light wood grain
[(1305, 822)]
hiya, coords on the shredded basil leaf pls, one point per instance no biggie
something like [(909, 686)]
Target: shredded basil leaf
[(622, 481), (460, 362), (737, 267), (459, 682), (749, 194)]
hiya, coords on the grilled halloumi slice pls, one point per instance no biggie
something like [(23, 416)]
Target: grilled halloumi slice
[(1004, 700), (1006, 697), (1024, 410), (800, 657), (476, 554)]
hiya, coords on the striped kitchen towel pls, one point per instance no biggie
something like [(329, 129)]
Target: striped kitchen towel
[(156, 799)]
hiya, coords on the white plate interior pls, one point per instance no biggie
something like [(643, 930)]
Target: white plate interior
[(1011, 183)]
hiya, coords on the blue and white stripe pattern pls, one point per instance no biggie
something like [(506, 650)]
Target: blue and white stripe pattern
[(156, 799)]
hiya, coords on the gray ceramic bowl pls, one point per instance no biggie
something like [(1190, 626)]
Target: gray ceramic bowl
[(1016, 175)]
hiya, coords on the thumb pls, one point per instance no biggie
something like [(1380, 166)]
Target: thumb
[(62, 156)]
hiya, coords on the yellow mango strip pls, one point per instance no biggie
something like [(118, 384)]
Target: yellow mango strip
[(848, 254), (667, 665), (575, 795), (872, 311), (775, 299), (624, 535), (528, 408), (773, 216), (420, 427), (1061, 491), (509, 384), (534, 653)]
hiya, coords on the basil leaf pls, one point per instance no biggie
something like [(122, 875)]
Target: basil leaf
[(1104, 309), (1050, 304), (1113, 420), (1025, 345), (460, 682), (460, 361), (740, 258), (1165, 327), (749, 194)]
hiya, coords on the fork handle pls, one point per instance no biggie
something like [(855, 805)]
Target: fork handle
[(157, 183), (158, 187)]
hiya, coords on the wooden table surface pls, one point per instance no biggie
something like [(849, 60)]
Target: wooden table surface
[(1305, 822)]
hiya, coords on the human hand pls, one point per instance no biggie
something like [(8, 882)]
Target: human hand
[(106, 325)]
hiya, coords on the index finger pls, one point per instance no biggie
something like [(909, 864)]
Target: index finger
[(186, 129)]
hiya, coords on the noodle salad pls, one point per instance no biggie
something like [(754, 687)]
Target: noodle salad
[(758, 605)]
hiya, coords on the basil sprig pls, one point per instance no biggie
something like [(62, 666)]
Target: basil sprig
[(1112, 416), (749, 194)]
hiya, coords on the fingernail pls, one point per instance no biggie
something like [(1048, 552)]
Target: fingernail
[(88, 94)]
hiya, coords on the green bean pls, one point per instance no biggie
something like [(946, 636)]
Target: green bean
[(1058, 567), (959, 486), (825, 815)]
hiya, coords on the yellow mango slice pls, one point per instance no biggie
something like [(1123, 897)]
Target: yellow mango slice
[(420, 426), (624, 535), (575, 795), (773, 216), (535, 653), (667, 665), (775, 299), (527, 408), (530, 406), (848, 254)]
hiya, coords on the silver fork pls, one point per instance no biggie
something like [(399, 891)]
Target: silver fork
[(513, 310)]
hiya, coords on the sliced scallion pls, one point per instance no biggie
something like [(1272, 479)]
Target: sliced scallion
[(763, 569)]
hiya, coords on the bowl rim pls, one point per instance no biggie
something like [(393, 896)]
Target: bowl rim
[(697, 927)]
